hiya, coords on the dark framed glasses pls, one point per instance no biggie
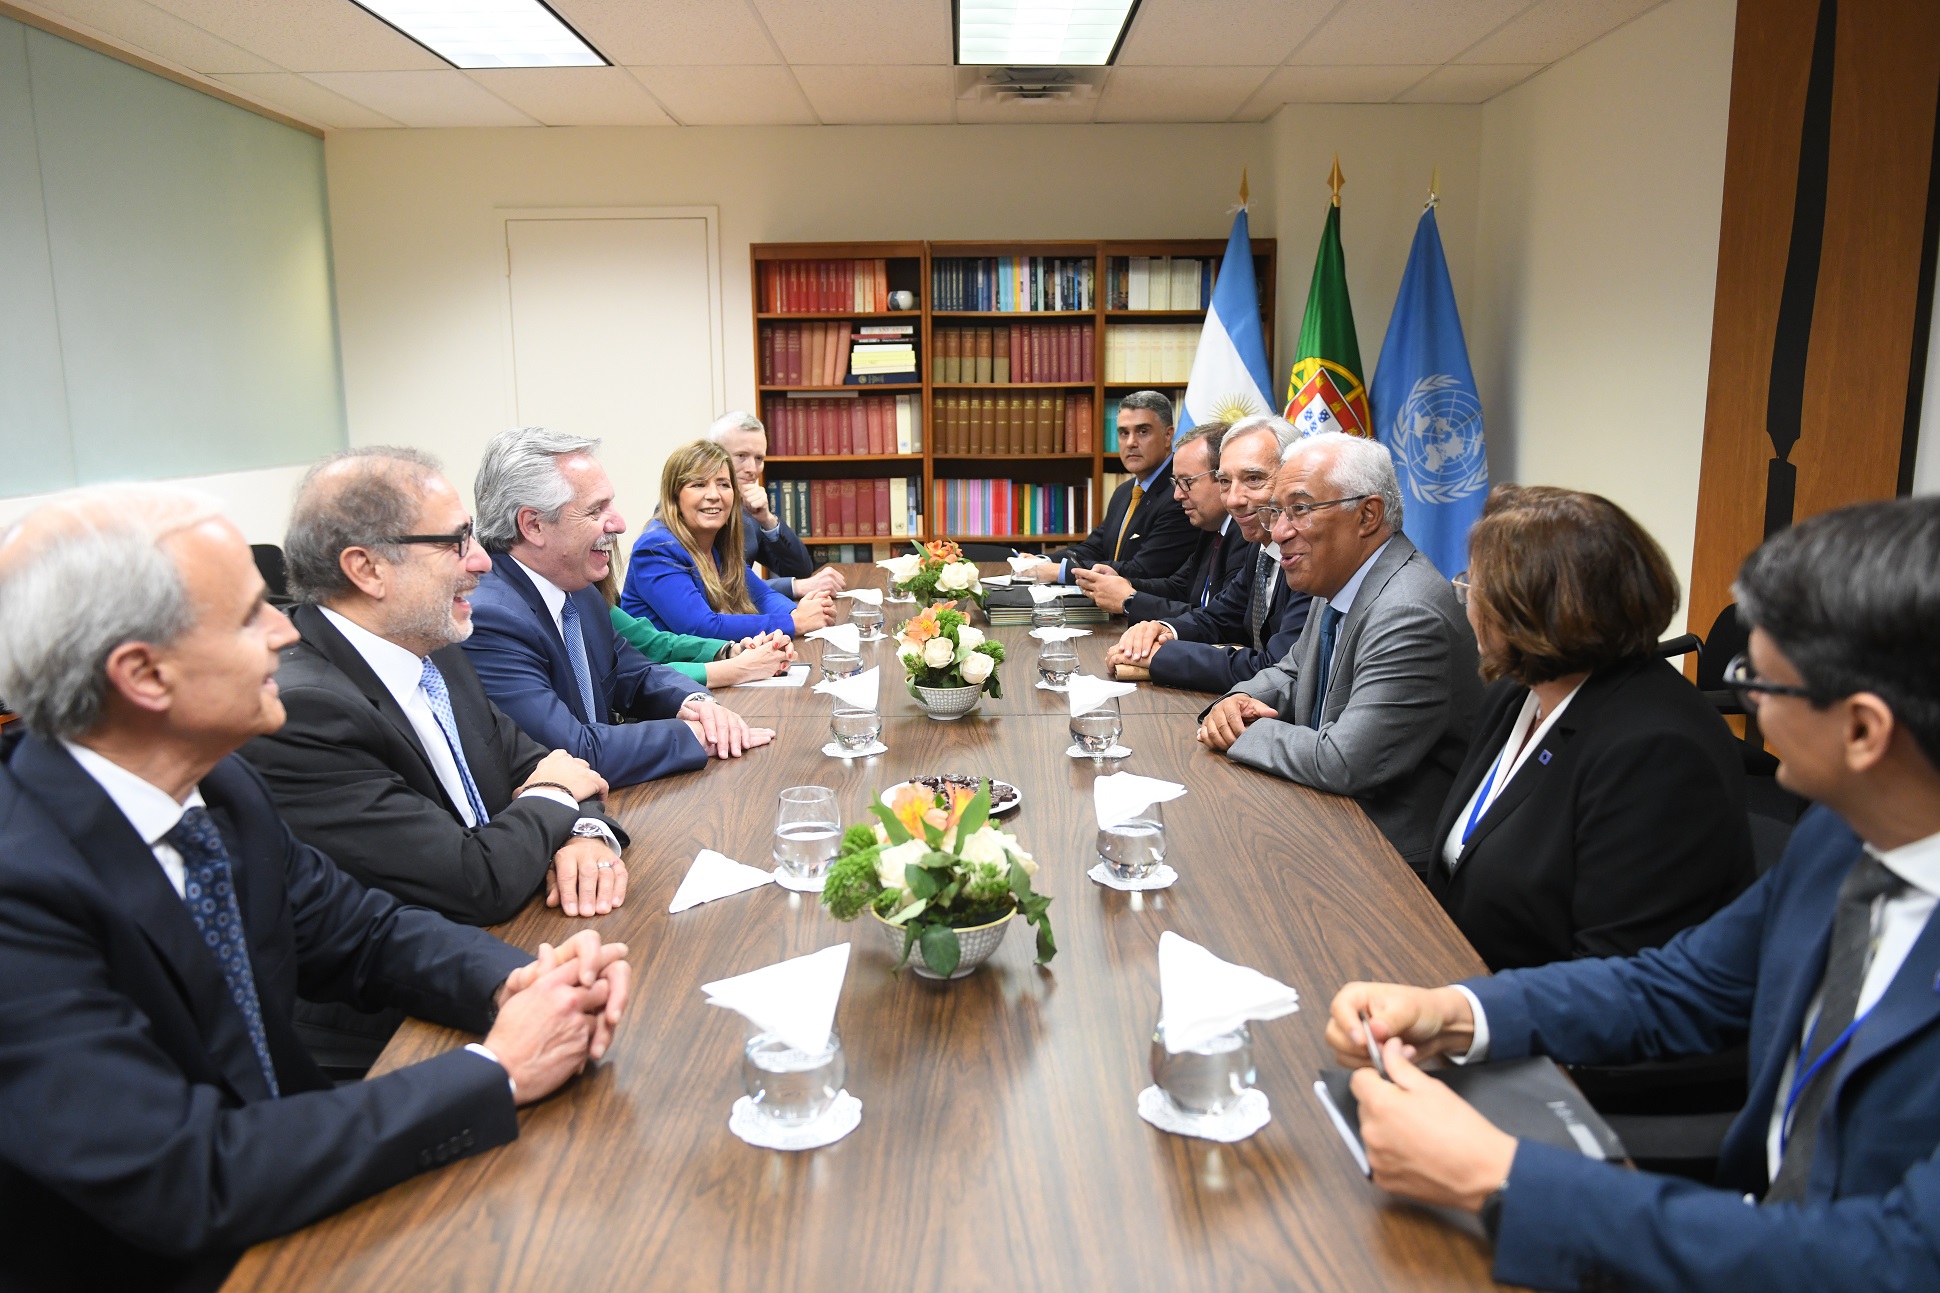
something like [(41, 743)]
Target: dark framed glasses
[(461, 542), (1748, 687)]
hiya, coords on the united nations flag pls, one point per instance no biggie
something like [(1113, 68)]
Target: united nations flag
[(1425, 409)]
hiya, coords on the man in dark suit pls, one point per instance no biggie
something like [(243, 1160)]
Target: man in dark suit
[(1254, 619), (1826, 967), (1218, 554), (466, 820), (157, 919), (766, 538), (1144, 534), (544, 645)]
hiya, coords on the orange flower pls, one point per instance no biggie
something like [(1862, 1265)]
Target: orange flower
[(913, 806), (922, 628), (943, 550)]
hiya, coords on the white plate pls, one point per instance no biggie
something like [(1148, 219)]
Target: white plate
[(889, 795)]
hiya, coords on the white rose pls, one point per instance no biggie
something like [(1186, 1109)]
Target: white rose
[(968, 639), (890, 863), (957, 576), (938, 652), (992, 847), (976, 667), (902, 569)]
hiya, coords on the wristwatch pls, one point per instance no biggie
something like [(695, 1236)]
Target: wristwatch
[(595, 829), (1492, 1211)]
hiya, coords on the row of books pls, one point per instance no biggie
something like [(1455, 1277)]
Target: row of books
[(985, 508), (1022, 352), (837, 353), (884, 507), (1150, 352), (833, 424), (1177, 397), (1013, 424), (884, 352), (1013, 283), (837, 554), (824, 286), (1159, 282)]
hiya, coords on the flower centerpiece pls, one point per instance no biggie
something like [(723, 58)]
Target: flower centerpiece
[(943, 881), (947, 663), (935, 571)]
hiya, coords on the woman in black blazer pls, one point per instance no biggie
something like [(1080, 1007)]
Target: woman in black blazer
[(1601, 808)]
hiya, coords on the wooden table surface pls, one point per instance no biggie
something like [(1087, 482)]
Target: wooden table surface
[(999, 1147)]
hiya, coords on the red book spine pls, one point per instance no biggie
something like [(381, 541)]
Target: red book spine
[(847, 488), (882, 507), (768, 357), (882, 436), (857, 430), (865, 510), (1088, 356)]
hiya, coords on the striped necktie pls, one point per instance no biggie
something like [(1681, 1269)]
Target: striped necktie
[(209, 892), (576, 656), (1138, 492), (1264, 569), (433, 684)]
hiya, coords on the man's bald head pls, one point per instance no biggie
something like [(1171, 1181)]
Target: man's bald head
[(354, 499)]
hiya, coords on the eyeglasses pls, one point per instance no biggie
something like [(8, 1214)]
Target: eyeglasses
[(462, 540), (1299, 513), (1748, 687), (1181, 484), (1461, 585), (1252, 479)]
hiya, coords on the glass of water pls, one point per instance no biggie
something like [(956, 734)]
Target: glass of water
[(1056, 662), (839, 664), (855, 728), (869, 619), (790, 1086), (1048, 615), (1097, 730), (1209, 1079), (1135, 849), (807, 831), (899, 595)]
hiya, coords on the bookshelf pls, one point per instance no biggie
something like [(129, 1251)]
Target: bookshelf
[(1083, 321)]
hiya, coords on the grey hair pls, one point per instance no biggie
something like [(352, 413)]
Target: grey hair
[(1363, 466), (1284, 432), (734, 420), (1151, 401), (521, 469), (359, 498), (80, 576)]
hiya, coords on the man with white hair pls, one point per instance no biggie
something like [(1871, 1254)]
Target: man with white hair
[(1377, 697), (766, 538), (157, 917)]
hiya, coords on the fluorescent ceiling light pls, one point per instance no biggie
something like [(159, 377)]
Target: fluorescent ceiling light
[(488, 33), (1041, 33)]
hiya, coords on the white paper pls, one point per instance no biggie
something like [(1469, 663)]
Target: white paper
[(1042, 593), (793, 999), (843, 637), (715, 875), (1022, 563), (861, 690), (994, 581), (1201, 996), (1089, 693), (1124, 795), (1058, 633), (873, 596), (797, 675)]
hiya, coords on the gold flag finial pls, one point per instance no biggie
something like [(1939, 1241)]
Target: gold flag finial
[(1434, 187), (1334, 181), (1242, 186)]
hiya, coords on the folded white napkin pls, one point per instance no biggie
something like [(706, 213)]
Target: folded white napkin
[(859, 689), (1124, 795), (797, 675), (793, 999), (843, 637), (871, 595), (1201, 996), (1058, 633), (1022, 563), (715, 875), (901, 568), (1089, 693), (994, 581), (1042, 593)]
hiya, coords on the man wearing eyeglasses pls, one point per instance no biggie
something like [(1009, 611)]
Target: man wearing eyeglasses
[(1377, 697), (1220, 552), (1144, 533), (1829, 965)]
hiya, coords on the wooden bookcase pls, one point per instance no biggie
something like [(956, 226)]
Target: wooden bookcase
[(912, 266)]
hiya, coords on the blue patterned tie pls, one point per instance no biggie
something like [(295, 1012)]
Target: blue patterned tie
[(576, 654), (1329, 622), (433, 683), (209, 892)]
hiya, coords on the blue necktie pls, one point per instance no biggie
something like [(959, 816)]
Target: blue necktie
[(209, 892), (1212, 571), (1329, 622), (576, 655), (433, 683)]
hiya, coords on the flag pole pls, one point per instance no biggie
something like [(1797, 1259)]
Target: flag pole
[(1434, 189), (1334, 181)]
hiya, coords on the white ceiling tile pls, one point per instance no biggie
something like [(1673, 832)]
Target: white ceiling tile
[(838, 32), (145, 28), (1177, 93), (1404, 31), (1554, 29), (1329, 85), (728, 96), (307, 35), (305, 99), (1205, 33), (425, 98), (574, 96), (671, 33), (852, 96), (1469, 82)]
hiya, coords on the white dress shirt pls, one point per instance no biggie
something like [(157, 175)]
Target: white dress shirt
[(1515, 752), (152, 811)]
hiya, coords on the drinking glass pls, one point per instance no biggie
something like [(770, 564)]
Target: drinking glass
[(869, 619), (1097, 730), (839, 664), (1056, 662), (1209, 1079), (790, 1086), (899, 595), (855, 728), (1133, 850), (807, 831), (1047, 615)]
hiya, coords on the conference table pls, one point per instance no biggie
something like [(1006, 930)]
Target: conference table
[(999, 1147)]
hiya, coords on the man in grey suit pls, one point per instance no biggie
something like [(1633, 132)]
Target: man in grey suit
[(1377, 697)]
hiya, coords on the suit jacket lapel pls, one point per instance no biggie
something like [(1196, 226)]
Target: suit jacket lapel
[(320, 633), (1911, 1003), (557, 665), (1308, 650)]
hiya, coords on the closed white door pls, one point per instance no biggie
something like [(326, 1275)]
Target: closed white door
[(613, 335)]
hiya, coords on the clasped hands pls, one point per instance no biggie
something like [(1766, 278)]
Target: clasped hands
[(1422, 1140), (721, 731), (1225, 721), (557, 1013)]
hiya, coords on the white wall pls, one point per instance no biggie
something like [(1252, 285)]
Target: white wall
[(1596, 266), (257, 501)]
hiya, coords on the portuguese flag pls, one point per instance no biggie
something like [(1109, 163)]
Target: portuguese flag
[(1326, 392)]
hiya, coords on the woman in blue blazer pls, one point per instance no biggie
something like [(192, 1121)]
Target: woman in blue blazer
[(687, 573)]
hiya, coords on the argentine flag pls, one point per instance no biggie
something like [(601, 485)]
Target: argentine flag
[(1229, 374)]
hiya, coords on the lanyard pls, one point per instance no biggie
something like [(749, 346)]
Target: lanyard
[(1482, 795), (1799, 1083)]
